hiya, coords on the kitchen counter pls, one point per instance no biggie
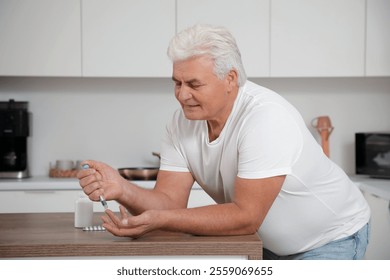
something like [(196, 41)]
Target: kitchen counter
[(375, 186), (45, 194), (380, 187), (377, 194), (45, 183), (53, 235)]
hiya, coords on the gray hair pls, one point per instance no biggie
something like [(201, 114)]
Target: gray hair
[(212, 41)]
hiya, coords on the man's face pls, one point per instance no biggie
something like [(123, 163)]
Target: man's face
[(201, 94)]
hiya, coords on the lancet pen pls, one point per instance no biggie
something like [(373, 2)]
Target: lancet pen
[(101, 198)]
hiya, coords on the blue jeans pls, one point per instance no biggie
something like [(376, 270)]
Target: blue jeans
[(348, 248)]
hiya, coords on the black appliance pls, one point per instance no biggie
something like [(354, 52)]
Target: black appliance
[(14, 131), (372, 152)]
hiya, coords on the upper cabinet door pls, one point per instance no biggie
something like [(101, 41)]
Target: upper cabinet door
[(127, 38), (378, 38), (248, 21), (322, 38), (40, 38)]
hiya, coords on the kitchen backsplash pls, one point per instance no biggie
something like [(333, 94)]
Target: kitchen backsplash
[(121, 120)]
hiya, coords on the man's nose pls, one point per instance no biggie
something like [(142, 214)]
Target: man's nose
[(184, 93)]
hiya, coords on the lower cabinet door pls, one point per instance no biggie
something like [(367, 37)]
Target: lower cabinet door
[(379, 243)]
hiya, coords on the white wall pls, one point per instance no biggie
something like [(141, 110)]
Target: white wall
[(120, 120)]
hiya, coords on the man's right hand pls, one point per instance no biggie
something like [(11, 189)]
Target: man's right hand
[(101, 179)]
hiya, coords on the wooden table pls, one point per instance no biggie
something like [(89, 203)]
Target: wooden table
[(53, 235)]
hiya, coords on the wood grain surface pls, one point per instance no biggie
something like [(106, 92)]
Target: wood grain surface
[(53, 235)]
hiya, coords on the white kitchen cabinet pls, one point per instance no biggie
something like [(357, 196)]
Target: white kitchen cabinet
[(378, 38), (248, 21), (40, 38), (40, 195), (38, 201), (317, 38), (127, 38), (377, 194), (379, 244), (199, 197)]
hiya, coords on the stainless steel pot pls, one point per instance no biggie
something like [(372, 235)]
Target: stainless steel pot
[(139, 173)]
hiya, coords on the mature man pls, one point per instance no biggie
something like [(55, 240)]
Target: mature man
[(250, 150)]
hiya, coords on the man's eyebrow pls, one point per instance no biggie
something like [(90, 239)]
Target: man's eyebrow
[(192, 81)]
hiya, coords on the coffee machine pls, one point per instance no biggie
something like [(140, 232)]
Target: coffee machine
[(14, 131)]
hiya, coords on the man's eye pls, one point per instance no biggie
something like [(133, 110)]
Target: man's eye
[(195, 86)]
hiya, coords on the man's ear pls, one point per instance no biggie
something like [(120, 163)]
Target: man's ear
[(232, 79)]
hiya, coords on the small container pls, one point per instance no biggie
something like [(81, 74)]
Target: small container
[(83, 214), (78, 164), (63, 164)]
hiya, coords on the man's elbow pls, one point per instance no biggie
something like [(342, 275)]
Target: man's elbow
[(251, 226)]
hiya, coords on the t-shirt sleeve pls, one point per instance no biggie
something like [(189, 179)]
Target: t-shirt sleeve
[(270, 142), (171, 157)]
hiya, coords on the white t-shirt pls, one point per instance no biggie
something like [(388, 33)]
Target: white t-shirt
[(265, 136)]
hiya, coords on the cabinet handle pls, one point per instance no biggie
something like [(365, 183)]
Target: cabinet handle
[(374, 195), (389, 208)]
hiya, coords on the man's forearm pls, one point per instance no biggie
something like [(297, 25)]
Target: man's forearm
[(221, 219), (137, 199)]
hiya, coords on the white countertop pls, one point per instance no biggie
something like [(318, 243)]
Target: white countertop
[(45, 183), (40, 183), (378, 187)]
